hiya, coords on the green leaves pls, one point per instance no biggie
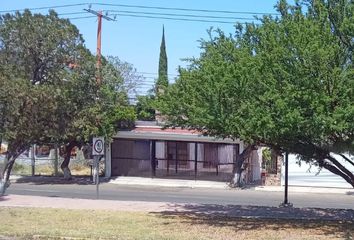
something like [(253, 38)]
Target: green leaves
[(162, 81), (48, 78), (38, 47), (287, 83), (145, 108)]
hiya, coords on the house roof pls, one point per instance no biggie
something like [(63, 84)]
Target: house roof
[(153, 132)]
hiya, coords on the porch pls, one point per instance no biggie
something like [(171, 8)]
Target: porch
[(177, 154)]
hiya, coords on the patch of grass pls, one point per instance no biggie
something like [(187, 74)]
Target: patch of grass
[(48, 170), (29, 223), (20, 169)]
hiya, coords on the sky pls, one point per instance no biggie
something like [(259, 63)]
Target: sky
[(137, 40)]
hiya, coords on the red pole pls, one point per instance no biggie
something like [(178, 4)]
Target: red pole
[(99, 33)]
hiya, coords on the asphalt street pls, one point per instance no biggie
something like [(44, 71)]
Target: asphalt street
[(251, 197)]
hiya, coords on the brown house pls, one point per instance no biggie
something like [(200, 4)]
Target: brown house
[(151, 151)]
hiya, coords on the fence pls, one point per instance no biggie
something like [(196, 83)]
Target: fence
[(172, 168), (49, 165)]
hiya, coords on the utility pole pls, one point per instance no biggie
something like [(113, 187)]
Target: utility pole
[(99, 35)]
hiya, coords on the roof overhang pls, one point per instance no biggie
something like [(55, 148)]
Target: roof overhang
[(168, 136)]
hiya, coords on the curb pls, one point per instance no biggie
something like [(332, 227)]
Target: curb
[(158, 182), (296, 189)]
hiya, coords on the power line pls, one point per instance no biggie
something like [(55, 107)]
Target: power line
[(166, 18), (142, 7), (185, 9), (170, 18), (149, 73), (148, 79), (82, 17), (154, 15), (71, 13), (99, 14), (179, 15), (162, 14), (178, 19), (41, 8)]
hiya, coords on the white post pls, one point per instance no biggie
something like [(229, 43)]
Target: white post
[(56, 160), (108, 161), (33, 159), (97, 151), (96, 173)]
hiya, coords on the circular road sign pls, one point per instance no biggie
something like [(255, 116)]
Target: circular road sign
[(98, 146)]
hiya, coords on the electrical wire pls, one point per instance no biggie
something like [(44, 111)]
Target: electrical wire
[(41, 8), (185, 9), (155, 17), (168, 18), (178, 19), (74, 18), (72, 13), (179, 15), (142, 7), (149, 73)]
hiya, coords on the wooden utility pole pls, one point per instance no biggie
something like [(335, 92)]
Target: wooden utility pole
[(98, 51), (99, 35)]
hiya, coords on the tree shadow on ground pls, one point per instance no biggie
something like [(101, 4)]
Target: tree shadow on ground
[(247, 218), (45, 180)]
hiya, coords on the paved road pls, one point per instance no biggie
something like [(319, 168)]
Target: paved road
[(110, 191)]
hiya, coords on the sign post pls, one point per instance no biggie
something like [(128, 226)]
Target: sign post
[(286, 163), (97, 152)]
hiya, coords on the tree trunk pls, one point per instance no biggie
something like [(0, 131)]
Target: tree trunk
[(236, 181), (5, 175), (347, 159), (337, 168), (65, 164), (14, 150)]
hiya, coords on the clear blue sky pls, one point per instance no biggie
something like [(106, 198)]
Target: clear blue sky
[(137, 40)]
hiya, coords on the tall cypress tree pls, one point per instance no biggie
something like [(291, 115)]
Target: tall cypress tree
[(162, 81)]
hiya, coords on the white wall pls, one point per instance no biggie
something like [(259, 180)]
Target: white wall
[(256, 164), (108, 159), (160, 153), (305, 176)]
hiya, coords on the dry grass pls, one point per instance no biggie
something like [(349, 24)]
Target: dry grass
[(29, 223), (48, 170)]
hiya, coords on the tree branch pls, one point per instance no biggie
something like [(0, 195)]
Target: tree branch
[(336, 171), (345, 172), (347, 159)]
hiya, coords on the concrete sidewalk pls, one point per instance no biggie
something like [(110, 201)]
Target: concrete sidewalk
[(173, 209), (347, 191), (162, 182), (159, 182), (176, 183)]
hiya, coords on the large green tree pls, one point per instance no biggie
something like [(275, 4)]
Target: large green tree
[(35, 52), (287, 83), (89, 110), (26, 118), (146, 105), (49, 93)]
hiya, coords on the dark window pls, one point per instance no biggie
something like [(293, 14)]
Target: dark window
[(177, 151), (210, 155)]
